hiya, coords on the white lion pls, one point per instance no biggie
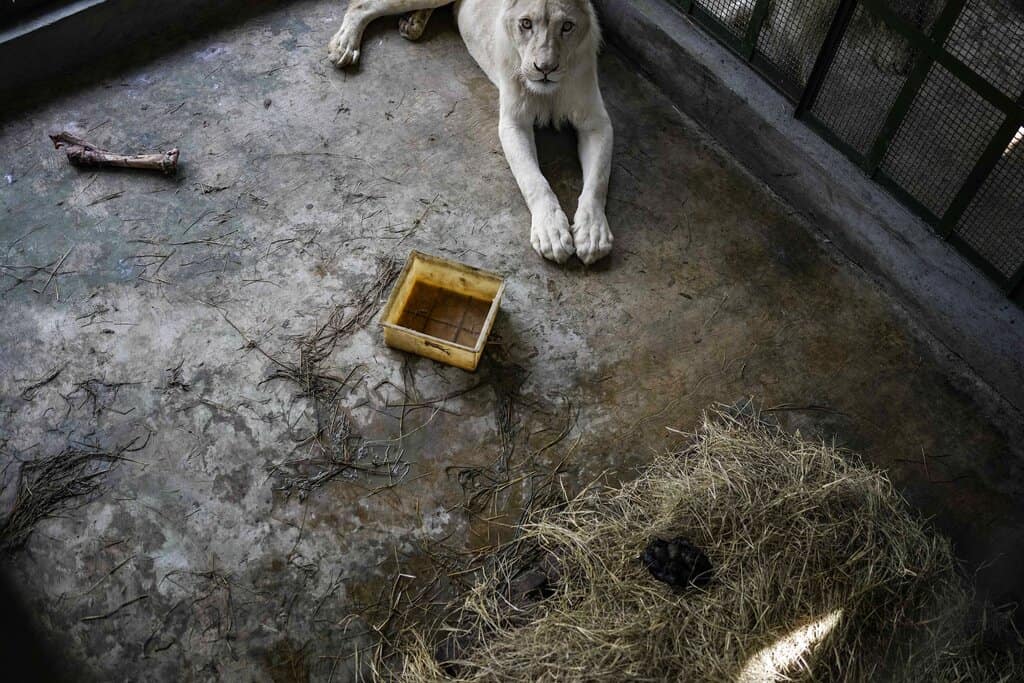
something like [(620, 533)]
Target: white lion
[(542, 56)]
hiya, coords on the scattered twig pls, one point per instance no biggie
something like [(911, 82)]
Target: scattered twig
[(106, 198), (49, 485), (98, 617), (53, 273), (99, 394), (108, 575), (29, 392), (334, 449)]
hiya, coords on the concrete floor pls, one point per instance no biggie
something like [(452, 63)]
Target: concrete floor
[(295, 179)]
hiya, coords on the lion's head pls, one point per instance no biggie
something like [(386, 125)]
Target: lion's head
[(550, 37)]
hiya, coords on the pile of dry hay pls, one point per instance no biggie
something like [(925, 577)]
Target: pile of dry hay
[(821, 572)]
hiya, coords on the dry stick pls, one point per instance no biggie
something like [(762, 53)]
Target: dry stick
[(48, 485), (82, 153), (29, 392), (108, 575), (159, 629), (117, 609), (53, 273)]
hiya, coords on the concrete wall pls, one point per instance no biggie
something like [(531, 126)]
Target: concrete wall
[(955, 302), (52, 48)]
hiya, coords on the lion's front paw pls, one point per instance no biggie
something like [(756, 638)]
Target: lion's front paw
[(343, 50), (591, 234), (550, 235)]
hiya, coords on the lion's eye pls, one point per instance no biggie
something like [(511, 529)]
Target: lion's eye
[(568, 26), (525, 24)]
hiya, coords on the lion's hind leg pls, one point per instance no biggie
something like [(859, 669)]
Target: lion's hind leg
[(344, 48), (413, 24)]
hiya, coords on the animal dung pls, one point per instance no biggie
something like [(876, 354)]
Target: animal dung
[(442, 309), (677, 562)]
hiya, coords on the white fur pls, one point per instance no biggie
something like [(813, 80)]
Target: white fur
[(522, 63)]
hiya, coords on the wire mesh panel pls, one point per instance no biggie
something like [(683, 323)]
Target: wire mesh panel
[(993, 225), (940, 140), (989, 38), (792, 34), (734, 15), (861, 85), (923, 94)]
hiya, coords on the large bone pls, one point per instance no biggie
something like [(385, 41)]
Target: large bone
[(82, 153)]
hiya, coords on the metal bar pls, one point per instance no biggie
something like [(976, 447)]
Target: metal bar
[(772, 74), (776, 77), (922, 65), (981, 171), (754, 25), (826, 56), (686, 6), (713, 25), (908, 200), (812, 122), (898, 110)]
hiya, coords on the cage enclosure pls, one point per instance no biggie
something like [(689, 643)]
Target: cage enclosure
[(926, 96)]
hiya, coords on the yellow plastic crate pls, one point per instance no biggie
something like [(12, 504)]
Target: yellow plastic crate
[(442, 310)]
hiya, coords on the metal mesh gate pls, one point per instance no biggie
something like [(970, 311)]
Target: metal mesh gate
[(927, 96)]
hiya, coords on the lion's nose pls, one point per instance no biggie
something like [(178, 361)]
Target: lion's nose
[(545, 68)]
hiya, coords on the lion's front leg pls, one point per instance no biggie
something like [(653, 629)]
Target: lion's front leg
[(343, 50), (591, 235), (549, 232)]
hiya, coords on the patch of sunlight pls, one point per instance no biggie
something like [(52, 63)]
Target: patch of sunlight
[(1017, 139), (775, 662)]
